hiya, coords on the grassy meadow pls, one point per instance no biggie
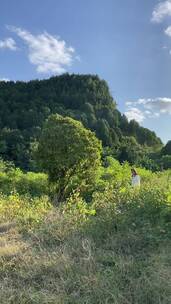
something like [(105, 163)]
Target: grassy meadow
[(111, 245)]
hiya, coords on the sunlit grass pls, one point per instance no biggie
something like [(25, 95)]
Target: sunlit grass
[(114, 250)]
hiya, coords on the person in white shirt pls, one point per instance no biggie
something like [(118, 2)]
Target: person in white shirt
[(135, 178)]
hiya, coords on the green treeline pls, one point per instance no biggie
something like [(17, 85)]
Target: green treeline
[(25, 106)]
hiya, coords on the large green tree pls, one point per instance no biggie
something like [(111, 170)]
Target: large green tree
[(69, 153)]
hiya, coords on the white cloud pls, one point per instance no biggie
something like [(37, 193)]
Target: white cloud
[(8, 43), (148, 108), (162, 10), (48, 53), (4, 79), (160, 104), (129, 103), (168, 31), (135, 113)]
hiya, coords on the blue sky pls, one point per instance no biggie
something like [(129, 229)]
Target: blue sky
[(125, 42)]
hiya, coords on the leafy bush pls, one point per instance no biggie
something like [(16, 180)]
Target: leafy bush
[(69, 153), (24, 210), (13, 179)]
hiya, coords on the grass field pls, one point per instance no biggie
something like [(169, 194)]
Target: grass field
[(116, 249)]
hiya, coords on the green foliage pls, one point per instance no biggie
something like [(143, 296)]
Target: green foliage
[(158, 162), (25, 107), (77, 207), (130, 150), (116, 249), (109, 243), (165, 162), (25, 210), (69, 153), (14, 180), (150, 164), (166, 150)]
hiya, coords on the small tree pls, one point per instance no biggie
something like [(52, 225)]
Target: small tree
[(69, 153), (166, 150), (130, 150), (165, 162)]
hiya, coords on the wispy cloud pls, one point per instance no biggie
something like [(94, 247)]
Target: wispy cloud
[(8, 43), (135, 113), (4, 79), (159, 105), (148, 108), (168, 31), (48, 53), (162, 10)]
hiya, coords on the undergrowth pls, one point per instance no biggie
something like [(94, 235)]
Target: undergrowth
[(115, 249)]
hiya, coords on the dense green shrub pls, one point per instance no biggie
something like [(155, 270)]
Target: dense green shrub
[(69, 153), (13, 179)]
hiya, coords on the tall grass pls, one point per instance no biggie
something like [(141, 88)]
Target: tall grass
[(115, 249)]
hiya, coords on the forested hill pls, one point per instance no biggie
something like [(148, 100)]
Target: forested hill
[(25, 106)]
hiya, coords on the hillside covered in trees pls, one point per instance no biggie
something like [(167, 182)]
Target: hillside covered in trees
[(25, 106)]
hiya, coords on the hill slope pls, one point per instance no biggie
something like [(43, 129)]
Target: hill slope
[(25, 106)]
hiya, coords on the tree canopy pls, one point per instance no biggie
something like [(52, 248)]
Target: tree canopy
[(25, 106), (68, 152), (166, 150)]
